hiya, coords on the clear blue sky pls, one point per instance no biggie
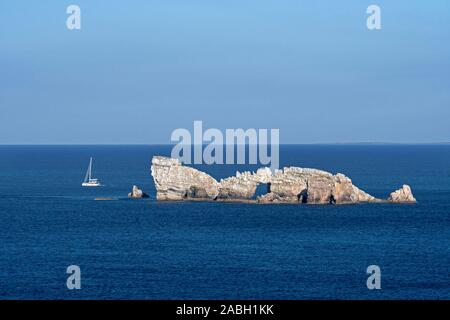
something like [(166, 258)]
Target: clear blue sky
[(139, 69)]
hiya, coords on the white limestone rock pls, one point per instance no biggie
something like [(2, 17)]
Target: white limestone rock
[(137, 193), (402, 195), (174, 181)]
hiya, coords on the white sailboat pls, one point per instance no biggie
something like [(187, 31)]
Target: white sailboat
[(88, 181)]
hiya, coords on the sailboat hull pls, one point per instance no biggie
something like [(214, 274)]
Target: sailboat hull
[(90, 184)]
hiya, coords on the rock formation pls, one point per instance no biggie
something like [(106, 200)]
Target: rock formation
[(174, 181), (137, 193), (402, 195), (243, 185), (313, 186)]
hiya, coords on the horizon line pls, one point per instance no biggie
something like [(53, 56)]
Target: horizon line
[(225, 144)]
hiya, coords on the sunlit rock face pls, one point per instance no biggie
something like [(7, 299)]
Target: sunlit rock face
[(174, 181), (137, 193), (402, 195), (314, 186), (243, 185)]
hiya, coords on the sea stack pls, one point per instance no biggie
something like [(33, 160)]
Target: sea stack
[(402, 195), (174, 181), (137, 193)]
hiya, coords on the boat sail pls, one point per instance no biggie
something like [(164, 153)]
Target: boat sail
[(88, 180)]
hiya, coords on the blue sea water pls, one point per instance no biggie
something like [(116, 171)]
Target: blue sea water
[(143, 249)]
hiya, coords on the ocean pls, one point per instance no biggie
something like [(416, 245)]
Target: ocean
[(144, 249)]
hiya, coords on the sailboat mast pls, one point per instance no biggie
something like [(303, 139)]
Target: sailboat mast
[(90, 168)]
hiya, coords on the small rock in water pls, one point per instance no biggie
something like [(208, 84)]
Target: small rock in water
[(402, 195), (137, 193)]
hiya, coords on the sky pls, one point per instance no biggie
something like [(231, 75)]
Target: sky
[(137, 70)]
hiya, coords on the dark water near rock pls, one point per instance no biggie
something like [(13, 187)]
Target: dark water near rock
[(147, 250)]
